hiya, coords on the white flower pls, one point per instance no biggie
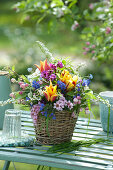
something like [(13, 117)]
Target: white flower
[(13, 80), (30, 94), (29, 69), (35, 74), (86, 88), (41, 92), (74, 26)]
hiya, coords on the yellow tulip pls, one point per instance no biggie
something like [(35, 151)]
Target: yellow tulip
[(51, 92), (67, 78)]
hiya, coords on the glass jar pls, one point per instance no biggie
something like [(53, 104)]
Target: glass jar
[(12, 124)]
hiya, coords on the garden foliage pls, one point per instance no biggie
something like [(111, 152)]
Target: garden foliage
[(95, 21)]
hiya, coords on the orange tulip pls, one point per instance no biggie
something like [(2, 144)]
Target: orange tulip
[(51, 92), (43, 66)]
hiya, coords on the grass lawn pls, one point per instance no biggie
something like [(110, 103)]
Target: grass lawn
[(21, 166)]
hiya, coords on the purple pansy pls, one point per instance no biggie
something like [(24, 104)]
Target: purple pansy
[(60, 64), (53, 66), (52, 77)]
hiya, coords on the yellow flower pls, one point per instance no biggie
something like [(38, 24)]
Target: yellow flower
[(67, 78), (72, 83), (51, 92)]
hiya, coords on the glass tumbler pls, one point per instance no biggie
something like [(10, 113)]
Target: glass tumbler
[(12, 124)]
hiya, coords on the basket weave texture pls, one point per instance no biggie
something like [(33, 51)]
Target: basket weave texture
[(60, 130)]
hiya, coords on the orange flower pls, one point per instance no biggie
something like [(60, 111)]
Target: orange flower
[(43, 66), (51, 92)]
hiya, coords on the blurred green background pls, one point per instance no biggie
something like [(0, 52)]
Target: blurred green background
[(18, 47)]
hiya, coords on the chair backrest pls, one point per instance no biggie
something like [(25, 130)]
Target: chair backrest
[(27, 123)]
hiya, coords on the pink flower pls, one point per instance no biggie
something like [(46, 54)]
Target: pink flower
[(22, 86), (12, 95), (26, 85), (87, 49), (91, 6), (57, 106), (20, 92), (78, 97), (93, 46), (80, 80), (75, 100), (63, 100), (108, 30), (13, 80), (69, 105), (73, 115), (81, 109), (84, 48), (34, 112), (85, 53), (88, 43), (74, 26), (35, 120), (23, 101), (79, 101), (20, 82), (93, 52), (87, 110)]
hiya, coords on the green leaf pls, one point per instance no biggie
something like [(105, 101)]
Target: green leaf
[(72, 3), (57, 3), (74, 146), (13, 68), (64, 62), (25, 79), (41, 18), (70, 93)]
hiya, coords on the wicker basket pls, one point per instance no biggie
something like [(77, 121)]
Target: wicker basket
[(60, 130)]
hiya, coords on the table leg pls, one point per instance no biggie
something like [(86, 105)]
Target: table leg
[(6, 165)]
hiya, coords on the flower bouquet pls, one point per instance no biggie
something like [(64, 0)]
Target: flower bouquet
[(55, 93)]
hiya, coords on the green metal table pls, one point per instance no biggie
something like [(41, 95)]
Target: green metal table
[(98, 156)]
